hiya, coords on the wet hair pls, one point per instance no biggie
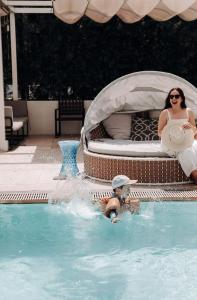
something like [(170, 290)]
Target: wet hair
[(119, 187), (180, 91)]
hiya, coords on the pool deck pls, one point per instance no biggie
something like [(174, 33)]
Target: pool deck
[(27, 175)]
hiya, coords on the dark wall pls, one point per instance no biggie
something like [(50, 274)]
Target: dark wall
[(56, 59)]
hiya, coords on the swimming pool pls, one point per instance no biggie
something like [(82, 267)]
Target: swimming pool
[(48, 253)]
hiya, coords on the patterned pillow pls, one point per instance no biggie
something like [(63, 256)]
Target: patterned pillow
[(144, 129), (153, 126)]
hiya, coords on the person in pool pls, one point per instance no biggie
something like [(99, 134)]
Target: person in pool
[(120, 198)]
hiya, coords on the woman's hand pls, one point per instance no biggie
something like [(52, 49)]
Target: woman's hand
[(132, 201), (127, 201), (188, 125), (105, 200)]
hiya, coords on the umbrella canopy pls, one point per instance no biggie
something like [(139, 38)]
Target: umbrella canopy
[(134, 92), (129, 11)]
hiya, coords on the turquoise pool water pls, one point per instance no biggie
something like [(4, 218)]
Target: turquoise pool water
[(47, 252)]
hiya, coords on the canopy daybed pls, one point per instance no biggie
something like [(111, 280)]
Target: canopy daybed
[(120, 129)]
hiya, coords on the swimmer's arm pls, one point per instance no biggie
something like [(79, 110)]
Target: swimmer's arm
[(130, 200), (134, 204)]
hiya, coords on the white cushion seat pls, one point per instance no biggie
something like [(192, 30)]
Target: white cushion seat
[(13, 125), (17, 125), (126, 148)]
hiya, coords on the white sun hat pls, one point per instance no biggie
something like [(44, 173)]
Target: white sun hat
[(175, 137), (121, 180)]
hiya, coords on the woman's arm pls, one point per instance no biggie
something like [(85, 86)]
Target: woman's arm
[(191, 122), (162, 121)]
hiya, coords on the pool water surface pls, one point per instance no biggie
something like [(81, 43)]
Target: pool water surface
[(48, 252)]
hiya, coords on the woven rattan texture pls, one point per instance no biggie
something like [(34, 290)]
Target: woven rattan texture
[(145, 171)]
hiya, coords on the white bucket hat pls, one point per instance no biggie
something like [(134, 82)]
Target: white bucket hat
[(175, 137), (121, 180)]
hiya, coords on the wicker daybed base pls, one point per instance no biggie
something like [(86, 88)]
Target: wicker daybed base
[(149, 170)]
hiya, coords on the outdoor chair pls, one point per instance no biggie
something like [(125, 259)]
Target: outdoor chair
[(14, 129), (20, 113), (68, 110)]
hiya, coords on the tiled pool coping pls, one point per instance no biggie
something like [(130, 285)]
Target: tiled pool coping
[(23, 197), (143, 195)]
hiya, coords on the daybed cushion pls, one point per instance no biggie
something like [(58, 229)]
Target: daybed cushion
[(17, 125), (118, 126), (126, 148)]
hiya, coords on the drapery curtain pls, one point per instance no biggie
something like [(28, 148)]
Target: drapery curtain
[(129, 11)]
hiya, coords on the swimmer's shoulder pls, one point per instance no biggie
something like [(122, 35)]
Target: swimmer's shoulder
[(105, 200)]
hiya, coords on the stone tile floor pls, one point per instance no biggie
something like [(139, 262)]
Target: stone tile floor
[(32, 165)]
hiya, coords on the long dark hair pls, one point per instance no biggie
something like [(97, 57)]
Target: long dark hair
[(180, 91)]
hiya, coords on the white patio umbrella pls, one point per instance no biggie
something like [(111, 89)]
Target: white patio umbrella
[(70, 11)]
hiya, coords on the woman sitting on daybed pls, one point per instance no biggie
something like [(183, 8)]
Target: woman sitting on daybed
[(176, 116)]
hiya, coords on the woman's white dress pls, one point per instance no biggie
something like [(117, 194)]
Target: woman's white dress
[(187, 157)]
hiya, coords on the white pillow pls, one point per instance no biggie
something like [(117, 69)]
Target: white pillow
[(118, 126), (154, 113)]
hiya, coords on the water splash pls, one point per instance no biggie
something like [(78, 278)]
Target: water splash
[(73, 197), (148, 212)]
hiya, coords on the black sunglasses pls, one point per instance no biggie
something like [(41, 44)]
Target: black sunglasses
[(175, 96)]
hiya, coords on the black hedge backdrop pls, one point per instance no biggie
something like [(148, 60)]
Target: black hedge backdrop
[(76, 61)]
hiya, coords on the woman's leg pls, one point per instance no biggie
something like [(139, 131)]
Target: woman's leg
[(193, 176)]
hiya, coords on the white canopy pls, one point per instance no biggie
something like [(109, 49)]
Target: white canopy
[(70, 11), (129, 11), (138, 91)]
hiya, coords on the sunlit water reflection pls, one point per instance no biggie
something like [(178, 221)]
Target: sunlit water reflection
[(68, 250)]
